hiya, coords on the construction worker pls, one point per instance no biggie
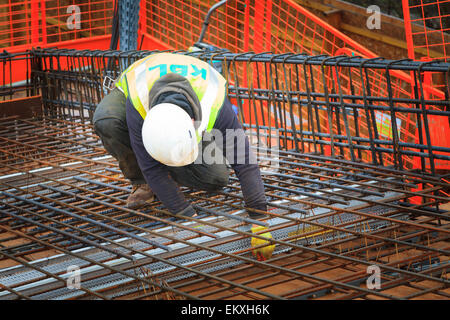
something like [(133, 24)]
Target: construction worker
[(154, 122)]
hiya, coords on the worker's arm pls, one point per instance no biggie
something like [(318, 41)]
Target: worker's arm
[(155, 173), (243, 161)]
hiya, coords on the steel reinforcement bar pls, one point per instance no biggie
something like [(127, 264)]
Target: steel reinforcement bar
[(62, 209), (359, 109)]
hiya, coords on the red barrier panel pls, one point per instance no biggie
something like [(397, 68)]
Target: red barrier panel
[(427, 27), (242, 25), (277, 26), (31, 23)]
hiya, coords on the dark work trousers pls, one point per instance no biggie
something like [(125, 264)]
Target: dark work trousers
[(111, 126)]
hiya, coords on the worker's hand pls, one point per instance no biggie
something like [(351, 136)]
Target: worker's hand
[(262, 253)]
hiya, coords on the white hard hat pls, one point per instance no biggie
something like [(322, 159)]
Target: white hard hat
[(169, 135)]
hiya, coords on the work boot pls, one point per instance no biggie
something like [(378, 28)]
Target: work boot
[(140, 195)]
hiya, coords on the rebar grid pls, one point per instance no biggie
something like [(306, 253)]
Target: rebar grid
[(15, 75), (371, 110), (63, 202)]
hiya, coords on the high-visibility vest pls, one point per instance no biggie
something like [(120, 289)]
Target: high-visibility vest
[(208, 84)]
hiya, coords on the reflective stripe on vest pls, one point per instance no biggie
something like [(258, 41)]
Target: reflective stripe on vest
[(209, 85), (122, 82)]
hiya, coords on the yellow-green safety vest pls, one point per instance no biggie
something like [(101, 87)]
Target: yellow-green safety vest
[(208, 84)]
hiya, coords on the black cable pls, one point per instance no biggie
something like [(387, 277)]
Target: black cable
[(115, 27)]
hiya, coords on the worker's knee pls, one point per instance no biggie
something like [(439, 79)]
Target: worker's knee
[(222, 176), (202, 177), (216, 177), (113, 105), (109, 128), (115, 138)]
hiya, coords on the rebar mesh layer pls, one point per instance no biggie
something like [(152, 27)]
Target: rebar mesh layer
[(62, 209)]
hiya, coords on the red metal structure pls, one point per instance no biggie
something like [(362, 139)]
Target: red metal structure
[(43, 23), (351, 148), (276, 26), (28, 24), (427, 30), (242, 26)]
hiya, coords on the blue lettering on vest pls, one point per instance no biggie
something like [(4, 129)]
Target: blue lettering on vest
[(198, 71), (179, 69), (162, 69)]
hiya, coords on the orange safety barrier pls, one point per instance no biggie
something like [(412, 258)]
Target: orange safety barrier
[(79, 24), (242, 26), (277, 26), (427, 29)]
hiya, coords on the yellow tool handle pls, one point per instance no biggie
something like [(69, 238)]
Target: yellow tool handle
[(262, 253)]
